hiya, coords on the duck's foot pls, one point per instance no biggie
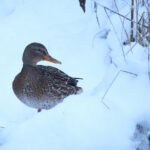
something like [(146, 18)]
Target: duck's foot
[(39, 110)]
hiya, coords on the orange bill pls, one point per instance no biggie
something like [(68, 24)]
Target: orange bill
[(51, 59)]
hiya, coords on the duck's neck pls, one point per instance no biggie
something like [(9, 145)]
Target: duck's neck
[(30, 63)]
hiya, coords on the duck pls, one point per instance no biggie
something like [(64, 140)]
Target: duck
[(39, 86)]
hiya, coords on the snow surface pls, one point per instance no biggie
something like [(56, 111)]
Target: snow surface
[(81, 122)]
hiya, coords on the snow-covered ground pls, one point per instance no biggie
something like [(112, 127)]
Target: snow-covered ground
[(81, 122)]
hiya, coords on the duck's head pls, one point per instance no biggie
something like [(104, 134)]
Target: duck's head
[(36, 52)]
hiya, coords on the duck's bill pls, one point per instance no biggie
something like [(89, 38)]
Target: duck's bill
[(51, 59)]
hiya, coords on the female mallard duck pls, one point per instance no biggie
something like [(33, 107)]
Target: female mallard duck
[(42, 87)]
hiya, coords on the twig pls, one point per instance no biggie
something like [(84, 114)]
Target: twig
[(132, 23), (95, 10), (143, 2), (137, 9), (120, 14), (116, 35), (129, 72), (149, 61), (105, 105), (112, 82), (131, 49), (148, 42), (122, 23), (102, 100), (82, 4)]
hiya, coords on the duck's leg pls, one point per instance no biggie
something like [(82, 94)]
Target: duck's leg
[(39, 110)]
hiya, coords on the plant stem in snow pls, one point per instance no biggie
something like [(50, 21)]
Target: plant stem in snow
[(148, 3), (137, 8), (122, 23), (102, 100), (132, 24), (149, 61), (82, 4), (121, 15), (129, 72), (114, 79), (116, 35), (130, 50), (95, 10), (142, 2)]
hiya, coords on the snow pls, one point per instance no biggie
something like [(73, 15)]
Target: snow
[(81, 122)]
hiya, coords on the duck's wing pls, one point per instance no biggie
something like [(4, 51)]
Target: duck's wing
[(57, 75)]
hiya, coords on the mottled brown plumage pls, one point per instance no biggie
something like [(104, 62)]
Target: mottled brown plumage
[(42, 87)]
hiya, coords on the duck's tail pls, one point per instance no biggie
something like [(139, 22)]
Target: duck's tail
[(78, 78), (79, 90)]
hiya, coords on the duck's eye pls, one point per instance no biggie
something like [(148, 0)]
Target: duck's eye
[(41, 52)]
